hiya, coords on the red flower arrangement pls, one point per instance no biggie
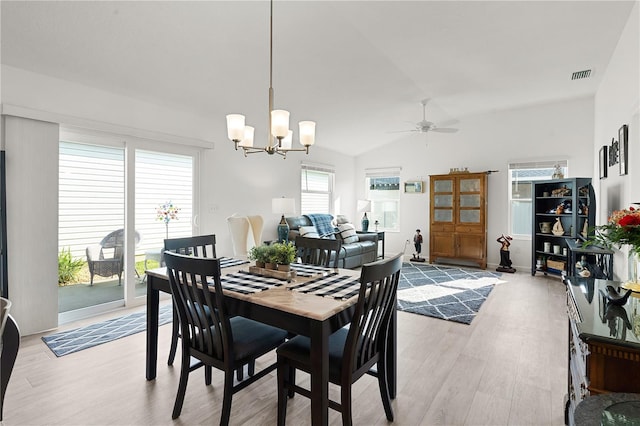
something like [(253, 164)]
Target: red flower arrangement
[(623, 227)]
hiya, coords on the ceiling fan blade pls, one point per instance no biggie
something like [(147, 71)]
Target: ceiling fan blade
[(443, 130), (403, 131)]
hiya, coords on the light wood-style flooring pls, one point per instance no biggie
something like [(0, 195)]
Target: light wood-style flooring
[(509, 367)]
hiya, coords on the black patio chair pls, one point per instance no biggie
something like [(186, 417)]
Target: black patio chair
[(107, 258)]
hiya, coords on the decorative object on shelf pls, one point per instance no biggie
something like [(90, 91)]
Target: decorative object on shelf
[(279, 136), (505, 255), (603, 162), (376, 224), (557, 172), (614, 297), (283, 206), (623, 146), (557, 228), (167, 212), (545, 227), (364, 206), (414, 187), (561, 192)]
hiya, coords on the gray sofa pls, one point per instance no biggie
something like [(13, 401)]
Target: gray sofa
[(353, 254)]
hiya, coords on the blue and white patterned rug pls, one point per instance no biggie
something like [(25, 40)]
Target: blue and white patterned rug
[(452, 294), (67, 342)]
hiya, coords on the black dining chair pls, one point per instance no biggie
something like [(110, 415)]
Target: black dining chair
[(319, 251), (353, 351), (200, 246), (215, 340)]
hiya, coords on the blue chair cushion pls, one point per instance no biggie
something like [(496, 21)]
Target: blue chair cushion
[(252, 337)]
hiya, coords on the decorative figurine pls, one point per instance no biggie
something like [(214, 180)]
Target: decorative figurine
[(417, 243), (505, 261)]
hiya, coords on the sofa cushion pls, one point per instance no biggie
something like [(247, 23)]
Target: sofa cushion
[(348, 233), (295, 222), (309, 232)]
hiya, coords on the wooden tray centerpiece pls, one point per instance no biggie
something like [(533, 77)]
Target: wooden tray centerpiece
[(281, 275)]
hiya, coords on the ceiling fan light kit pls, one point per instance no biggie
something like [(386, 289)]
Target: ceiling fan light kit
[(425, 126)]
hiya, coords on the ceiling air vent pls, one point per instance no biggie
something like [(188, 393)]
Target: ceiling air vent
[(580, 74)]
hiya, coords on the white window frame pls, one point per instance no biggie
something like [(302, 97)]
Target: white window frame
[(514, 179), (329, 171), (394, 200)]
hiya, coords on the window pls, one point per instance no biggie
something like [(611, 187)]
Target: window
[(520, 177), (383, 189), (316, 195)]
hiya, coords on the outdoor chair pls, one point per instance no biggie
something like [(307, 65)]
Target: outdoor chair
[(107, 258), (319, 251), (353, 350), (209, 335)]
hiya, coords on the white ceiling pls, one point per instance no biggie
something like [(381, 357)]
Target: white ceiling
[(358, 68)]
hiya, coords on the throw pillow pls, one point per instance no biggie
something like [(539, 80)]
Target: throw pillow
[(348, 233), (308, 231), (341, 219)]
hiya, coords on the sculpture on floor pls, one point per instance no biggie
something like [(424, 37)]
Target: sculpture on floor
[(417, 243), (505, 255)]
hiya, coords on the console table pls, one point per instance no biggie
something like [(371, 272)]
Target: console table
[(600, 260), (380, 238), (603, 342)]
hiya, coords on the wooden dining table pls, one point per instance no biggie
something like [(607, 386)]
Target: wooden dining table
[(301, 313)]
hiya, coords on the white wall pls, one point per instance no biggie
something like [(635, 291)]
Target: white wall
[(616, 103), (561, 130)]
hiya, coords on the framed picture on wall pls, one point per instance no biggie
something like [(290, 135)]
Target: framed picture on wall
[(623, 146), (414, 186), (604, 162)]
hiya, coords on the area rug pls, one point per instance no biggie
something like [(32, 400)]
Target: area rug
[(452, 294), (67, 342)]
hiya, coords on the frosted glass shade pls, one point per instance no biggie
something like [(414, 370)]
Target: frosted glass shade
[(287, 141), (235, 127), (279, 123), (307, 132), (283, 206), (247, 140), (364, 206)]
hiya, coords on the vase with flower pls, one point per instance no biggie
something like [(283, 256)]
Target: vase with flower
[(622, 229), (166, 213)]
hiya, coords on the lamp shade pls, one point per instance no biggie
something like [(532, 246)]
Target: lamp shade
[(286, 142), (235, 127), (364, 206), (279, 123), (283, 206), (247, 140), (307, 132)]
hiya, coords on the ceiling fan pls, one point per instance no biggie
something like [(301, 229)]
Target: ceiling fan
[(425, 126)]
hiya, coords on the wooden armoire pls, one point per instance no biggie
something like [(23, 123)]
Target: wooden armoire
[(458, 210)]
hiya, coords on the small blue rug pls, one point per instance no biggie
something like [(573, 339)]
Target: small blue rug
[(67, 342), (452, 294)]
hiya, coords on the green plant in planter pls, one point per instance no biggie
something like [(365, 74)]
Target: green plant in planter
[(260, 254), (68, 267), (271, 256), (285, 253)]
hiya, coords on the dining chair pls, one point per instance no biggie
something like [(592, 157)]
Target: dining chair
[(239, 229), (353, 351), (201, 246), (319, 251), (257, 225), (215, 340)]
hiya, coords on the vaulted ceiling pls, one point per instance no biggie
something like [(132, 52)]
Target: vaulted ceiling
[(358, 68)]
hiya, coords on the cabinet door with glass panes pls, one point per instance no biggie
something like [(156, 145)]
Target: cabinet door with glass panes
[(458, 218)]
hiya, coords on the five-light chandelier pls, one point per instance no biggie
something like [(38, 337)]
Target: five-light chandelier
[(279, 136)]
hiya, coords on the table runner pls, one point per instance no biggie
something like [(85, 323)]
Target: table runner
[(333, 285), (247, 283), (305, 270), (226, 262)]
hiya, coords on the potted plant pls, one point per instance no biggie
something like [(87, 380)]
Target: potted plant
[(259, 254), (271, 256), (285, 255)]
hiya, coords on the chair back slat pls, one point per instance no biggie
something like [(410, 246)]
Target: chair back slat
[(319, 251), (200, 311), (369, 327), (199, 245)]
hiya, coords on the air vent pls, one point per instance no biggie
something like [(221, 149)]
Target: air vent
[(580, 74)]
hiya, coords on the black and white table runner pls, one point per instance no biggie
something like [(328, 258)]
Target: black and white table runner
[(247, 283), (333, 285)]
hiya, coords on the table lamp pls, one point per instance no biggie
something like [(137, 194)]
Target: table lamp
[(283, 206), (364, 206)]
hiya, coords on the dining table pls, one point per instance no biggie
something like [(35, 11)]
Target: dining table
[(315, 303)]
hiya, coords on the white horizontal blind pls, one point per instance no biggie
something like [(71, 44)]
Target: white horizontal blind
[(162, 177), (91, 195), (316, 195)]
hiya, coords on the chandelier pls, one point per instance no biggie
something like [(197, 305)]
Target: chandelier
[(279, 136)]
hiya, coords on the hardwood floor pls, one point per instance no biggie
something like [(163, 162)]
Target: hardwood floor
[(509, 367)]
